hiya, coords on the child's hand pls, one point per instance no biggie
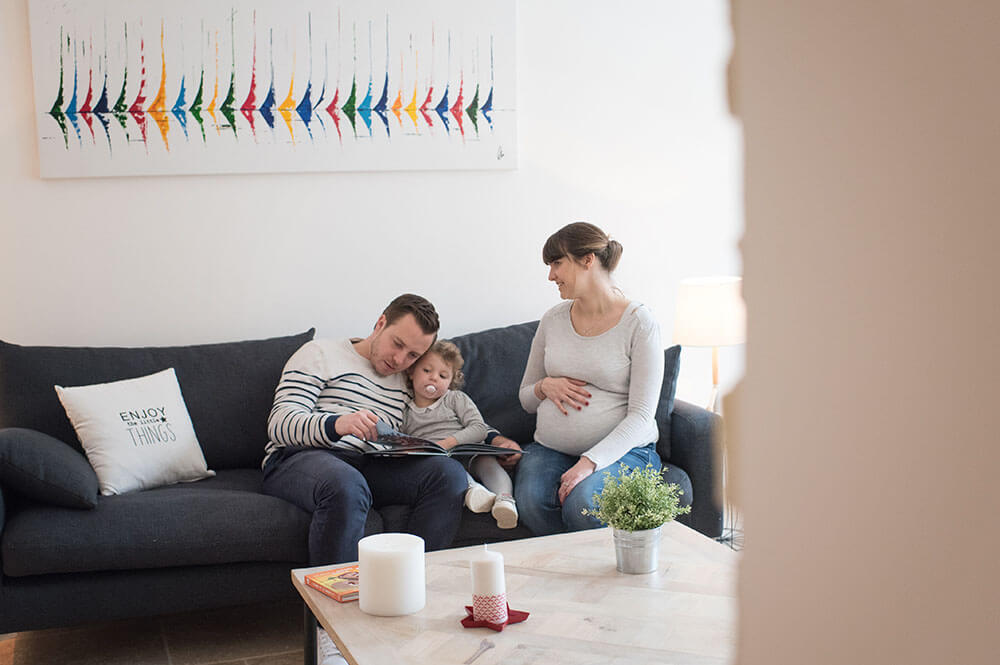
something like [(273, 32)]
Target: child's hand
[(448, 443)]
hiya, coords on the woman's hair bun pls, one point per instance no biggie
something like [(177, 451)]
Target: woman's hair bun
[(579, 239), (613, 254)]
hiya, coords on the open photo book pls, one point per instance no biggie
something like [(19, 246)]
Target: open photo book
[(395, 445)]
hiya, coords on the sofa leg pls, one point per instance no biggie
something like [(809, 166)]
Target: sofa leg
[(309, 623)]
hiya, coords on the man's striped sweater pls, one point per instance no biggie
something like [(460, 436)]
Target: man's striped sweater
[(323, 380)]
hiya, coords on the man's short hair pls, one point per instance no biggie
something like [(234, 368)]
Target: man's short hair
[(421, 309)]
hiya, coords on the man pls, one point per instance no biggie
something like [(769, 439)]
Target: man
[(330, 397)]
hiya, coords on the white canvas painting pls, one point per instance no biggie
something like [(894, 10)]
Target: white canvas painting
[(126, 87)]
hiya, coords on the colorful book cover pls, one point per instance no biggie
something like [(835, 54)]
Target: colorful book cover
[(341, 584)]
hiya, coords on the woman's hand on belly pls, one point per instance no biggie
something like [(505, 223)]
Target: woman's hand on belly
[(583, 468), (564, 392)]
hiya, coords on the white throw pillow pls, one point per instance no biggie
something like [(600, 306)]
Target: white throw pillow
[(137, 433)]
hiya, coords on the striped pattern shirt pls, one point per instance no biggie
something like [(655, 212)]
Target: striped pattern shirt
[(325, 379)]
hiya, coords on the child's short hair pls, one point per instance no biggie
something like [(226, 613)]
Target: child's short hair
[(451, 355)]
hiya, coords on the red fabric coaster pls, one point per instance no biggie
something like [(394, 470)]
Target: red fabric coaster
[(513, 616)]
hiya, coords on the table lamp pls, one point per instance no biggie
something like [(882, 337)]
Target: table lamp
[(710, 313)]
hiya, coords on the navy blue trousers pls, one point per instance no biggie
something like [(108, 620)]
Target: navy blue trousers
[(339, 487)]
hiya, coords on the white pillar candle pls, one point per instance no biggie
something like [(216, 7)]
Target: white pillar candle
[(489, 591), (391, 574), (487, 573)]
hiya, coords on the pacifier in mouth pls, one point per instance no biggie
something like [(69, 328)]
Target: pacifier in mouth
[(431, 389)]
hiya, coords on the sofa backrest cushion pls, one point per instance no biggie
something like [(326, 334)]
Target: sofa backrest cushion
[(494, 365), (665, 407), (228, 388)]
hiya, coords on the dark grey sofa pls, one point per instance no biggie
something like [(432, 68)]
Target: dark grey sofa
[(69, 556)]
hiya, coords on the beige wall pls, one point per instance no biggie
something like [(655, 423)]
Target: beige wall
[(869, 444)]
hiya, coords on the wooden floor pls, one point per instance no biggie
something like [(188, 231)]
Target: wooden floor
[(268, 634)]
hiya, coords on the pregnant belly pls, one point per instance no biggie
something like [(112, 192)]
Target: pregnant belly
[(578, 431)]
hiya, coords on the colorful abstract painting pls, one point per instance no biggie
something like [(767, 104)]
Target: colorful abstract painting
[(137, 87)]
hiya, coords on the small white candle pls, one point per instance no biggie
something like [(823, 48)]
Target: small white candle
[(489, 591), (391, 574), (487, 573)]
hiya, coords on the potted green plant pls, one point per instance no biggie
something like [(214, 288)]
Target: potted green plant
[(637, 504)]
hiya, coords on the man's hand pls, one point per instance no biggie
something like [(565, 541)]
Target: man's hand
[(360, 424), (583, 468), (507, 461), (563, 392)]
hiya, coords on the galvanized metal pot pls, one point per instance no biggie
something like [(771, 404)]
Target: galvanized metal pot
[(637, 552)]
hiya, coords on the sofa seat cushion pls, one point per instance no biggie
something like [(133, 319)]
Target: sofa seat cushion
[(213, 521)]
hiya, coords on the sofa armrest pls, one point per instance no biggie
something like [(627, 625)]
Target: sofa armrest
[(695, 436)]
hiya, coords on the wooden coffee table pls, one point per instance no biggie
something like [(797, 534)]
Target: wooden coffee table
[(582, 610)]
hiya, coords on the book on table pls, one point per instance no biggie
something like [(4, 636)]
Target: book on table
[(341, 584), (398, 445)]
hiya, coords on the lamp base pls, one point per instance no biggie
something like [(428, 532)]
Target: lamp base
[(713, 400)]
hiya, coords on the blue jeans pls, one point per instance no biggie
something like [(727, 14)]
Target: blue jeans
[(536, 488), (339, 487)]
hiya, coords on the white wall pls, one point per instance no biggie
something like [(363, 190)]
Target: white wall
[(622, 122), (869, 443)]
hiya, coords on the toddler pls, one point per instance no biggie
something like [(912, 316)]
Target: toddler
[(441, 412)]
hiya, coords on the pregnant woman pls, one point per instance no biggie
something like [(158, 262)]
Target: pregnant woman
[(593, 377)]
